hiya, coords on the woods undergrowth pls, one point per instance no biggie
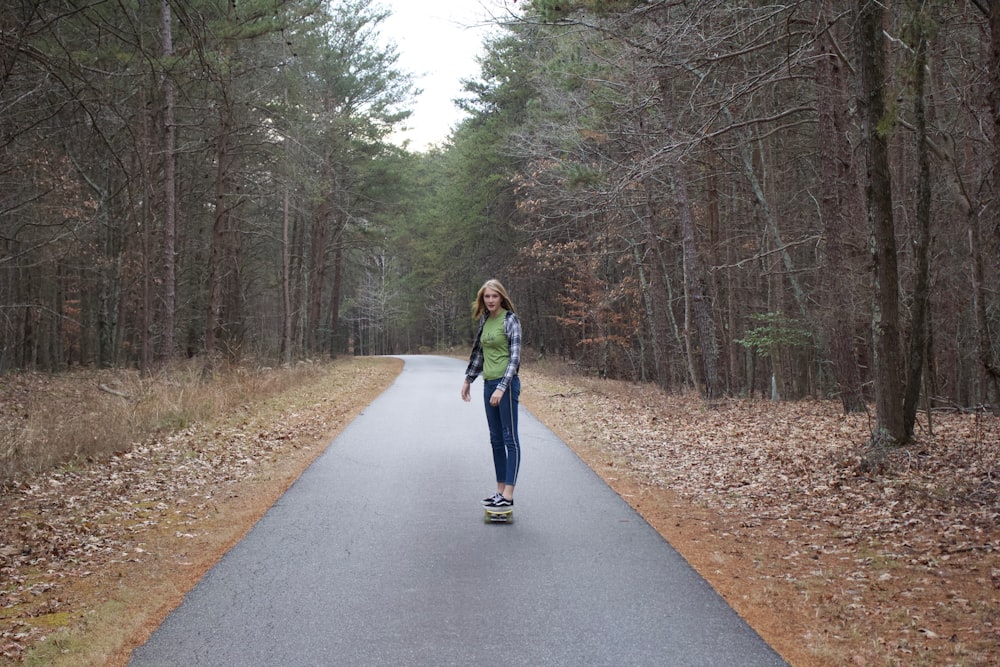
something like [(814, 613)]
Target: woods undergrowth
[(87, 415)]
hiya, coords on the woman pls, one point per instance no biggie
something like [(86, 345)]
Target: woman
[(497, 355)]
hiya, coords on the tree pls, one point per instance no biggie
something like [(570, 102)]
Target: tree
[(169, 199), (357, 93), (917, 37), (888, 371), (651, 179), (984, 334), (839, 202)]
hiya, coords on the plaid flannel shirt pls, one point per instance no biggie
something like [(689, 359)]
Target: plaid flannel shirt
[(511, 329)]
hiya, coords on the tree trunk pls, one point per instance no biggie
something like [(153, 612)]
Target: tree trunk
[(770, 223), (319, 240), (921, 290), (989, 364), (689, 346), (109, 289), (169, 195), (218, 251), (286, 292), (645, 294), (838, 200), (298, 282), (672, 320), (656, 307), (888, 368), (146, 220), (696, 285), (697, 293), (979, 295), (338, 272)]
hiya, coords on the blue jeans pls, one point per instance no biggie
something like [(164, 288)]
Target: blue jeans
[(502, 421)]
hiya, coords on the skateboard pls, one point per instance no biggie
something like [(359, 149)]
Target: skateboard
[(498, 515)]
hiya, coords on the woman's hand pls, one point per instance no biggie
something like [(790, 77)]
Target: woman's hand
[(465, 390), (495, 398)]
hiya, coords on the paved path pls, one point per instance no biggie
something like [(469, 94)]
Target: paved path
[(378, 555)]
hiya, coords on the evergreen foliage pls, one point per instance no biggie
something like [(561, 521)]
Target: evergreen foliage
[(656, 183)]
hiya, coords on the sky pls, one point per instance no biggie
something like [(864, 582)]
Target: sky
[(438, 42)]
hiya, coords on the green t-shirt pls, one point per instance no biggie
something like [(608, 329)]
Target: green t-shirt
[(495, 352)]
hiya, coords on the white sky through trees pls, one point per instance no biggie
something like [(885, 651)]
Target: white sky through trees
[(438, 43)]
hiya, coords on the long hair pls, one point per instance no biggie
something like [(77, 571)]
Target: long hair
[(479, 305)]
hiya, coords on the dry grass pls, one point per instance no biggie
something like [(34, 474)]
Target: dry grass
[(89, 415), (94, 554)]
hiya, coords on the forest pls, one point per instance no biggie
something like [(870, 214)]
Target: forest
[(732, 197)]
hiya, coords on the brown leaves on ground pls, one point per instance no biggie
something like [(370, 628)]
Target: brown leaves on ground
[(836, 554)]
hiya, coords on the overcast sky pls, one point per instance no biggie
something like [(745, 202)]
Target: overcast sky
[(438, 41)]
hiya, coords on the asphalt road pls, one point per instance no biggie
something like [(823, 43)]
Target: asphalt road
[(378, 555)]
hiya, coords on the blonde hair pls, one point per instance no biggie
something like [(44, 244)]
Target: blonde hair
[(479, 305)]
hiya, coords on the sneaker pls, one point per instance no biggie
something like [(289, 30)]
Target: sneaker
[(487, 502), (501, 503)]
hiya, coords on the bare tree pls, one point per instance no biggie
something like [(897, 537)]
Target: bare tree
[(888, 371), (980, 290), (839, 202), (169, 192), (917, 354)]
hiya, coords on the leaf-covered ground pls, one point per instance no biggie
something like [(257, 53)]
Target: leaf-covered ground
[(93, 556), (835, 557)]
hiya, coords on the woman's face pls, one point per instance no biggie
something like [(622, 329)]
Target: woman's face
[(492, 300)]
